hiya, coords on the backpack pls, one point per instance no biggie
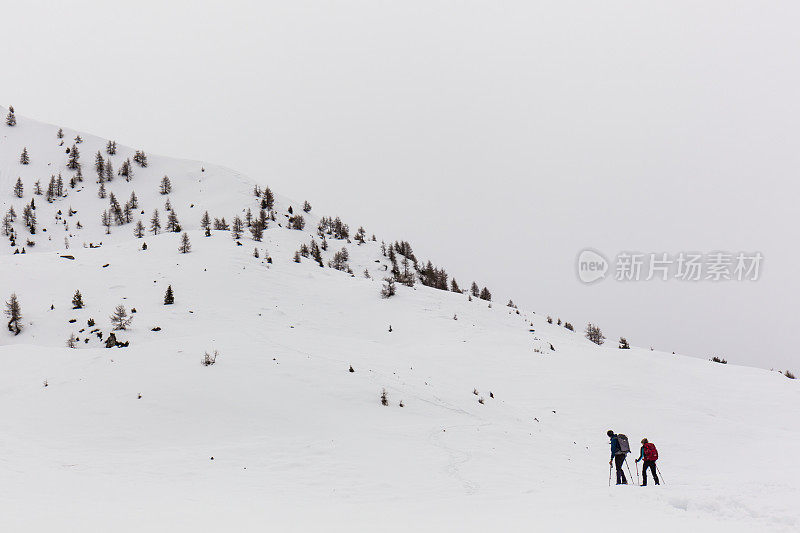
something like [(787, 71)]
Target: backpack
[(650, 452), (624, 447)]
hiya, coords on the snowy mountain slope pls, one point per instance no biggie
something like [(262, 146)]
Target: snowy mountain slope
[(299, 442)]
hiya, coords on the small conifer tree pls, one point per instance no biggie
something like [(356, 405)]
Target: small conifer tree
[(237, 228), (155, 223), (594, 334), (138, 230), (14, 313), (73, 162), (120, 319), (169, 297), (185, 246), (388, 290), (172, 222), (77, 300)]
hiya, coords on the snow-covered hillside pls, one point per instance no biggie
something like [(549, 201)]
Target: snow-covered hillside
[(503, 417)]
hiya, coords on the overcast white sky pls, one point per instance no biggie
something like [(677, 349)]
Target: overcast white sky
[(500, 138)]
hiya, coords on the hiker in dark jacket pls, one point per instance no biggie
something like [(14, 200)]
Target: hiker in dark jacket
[(649, 455), (618, 456)]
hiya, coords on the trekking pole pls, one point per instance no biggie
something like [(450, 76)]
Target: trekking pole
[(660, 475), (629, 471), (636, 465), (609, 474)]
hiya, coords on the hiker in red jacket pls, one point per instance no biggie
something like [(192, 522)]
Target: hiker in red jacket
[(650, 455)]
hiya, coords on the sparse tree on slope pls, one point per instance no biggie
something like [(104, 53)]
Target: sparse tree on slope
[(140, 158), (126, 170), (8, 227), (486, 295), (14, 313), (77, 300), (205, 222), (115, 210), (340, 259), (169, 297), (138, 230), (99, 164), (316, 253), (18, 189), (185, 246), (24, 158), (155, 223), (306, 206), (388, 290), (105, 219), (623, 344), (73, 163), (236, 229), (11, 119), (51, 189), (594, 334), (454, 286), (120, 319), (257, 231), (360, 235), (166, 185), (475, 290), (108, 171), (269, 199), (29, 218), (111, 148), (172, 222)]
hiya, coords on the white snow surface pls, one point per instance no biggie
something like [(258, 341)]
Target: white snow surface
[(298, 442)]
